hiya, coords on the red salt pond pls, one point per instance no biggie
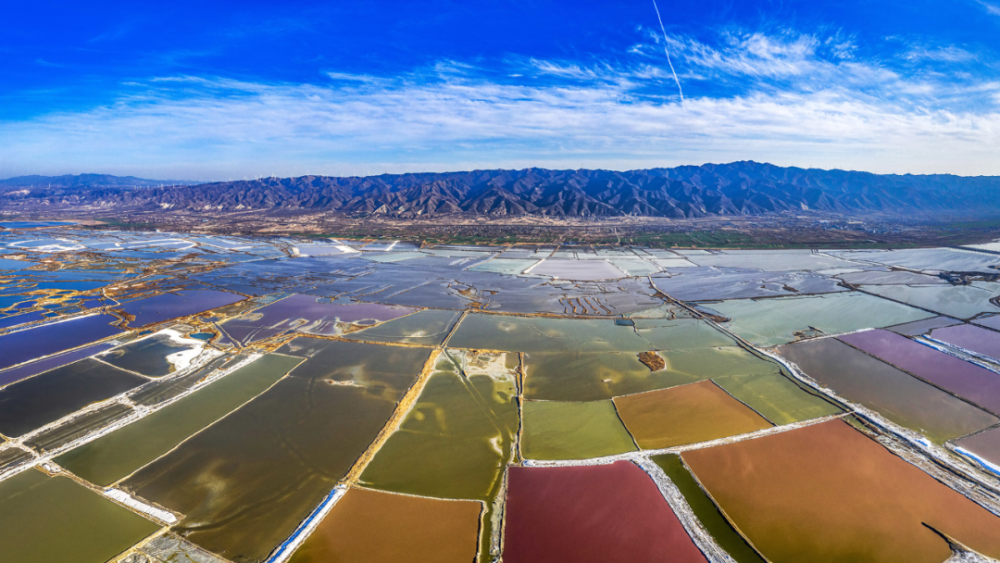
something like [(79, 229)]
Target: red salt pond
[(967, 380), (978, 340), (600, 514)]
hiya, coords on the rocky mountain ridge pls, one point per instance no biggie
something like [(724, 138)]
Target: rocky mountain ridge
[(739, 188)]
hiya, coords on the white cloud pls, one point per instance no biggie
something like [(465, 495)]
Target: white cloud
[(351, 128), (950, 54), (804, 101), (993, 9)]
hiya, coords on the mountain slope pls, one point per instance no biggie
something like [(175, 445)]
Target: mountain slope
[(739, 188)]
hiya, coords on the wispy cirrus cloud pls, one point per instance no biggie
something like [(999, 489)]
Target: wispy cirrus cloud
[(800, 99), (196, 127), (990, 8)]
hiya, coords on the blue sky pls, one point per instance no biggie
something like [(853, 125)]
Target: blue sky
[(207, 90)]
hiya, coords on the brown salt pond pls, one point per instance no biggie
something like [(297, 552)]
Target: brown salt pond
[(978, 385), (603, 513), (898, 396), (827, 493), (373, 527), (688, 414)]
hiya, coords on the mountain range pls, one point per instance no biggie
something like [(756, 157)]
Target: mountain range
[(738, 188), (83, 181)]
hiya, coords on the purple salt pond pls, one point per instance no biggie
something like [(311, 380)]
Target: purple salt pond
[(972, 338), (986, 445), (304, 314), (25, 318), (976, 384), (992, 321), (34, 368), (177, 304), (19, 347)]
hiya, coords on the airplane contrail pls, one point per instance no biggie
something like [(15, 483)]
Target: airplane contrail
[(665, 50)]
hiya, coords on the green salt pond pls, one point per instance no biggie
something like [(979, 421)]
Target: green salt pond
[(429, 328), (580, 376), (544, 334), (125, 450), (707, 512), (511, 267), (54, 520), (777, 398), (457, 439), (558, 430), (246, 482), (958, 301), (771, 322)]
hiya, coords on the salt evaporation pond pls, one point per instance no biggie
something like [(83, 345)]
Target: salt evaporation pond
[(398, 400), (118, 454), (275, 458), (176, 304), (900, 397), (979, 385), (827, 493), (25, 345), (697, 412), (45, 519), (372, 527), (305, 313), (37, 401), (972, 338), (771, 322), (591, 514)]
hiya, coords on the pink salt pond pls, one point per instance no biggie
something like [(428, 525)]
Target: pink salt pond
[(599, 514)]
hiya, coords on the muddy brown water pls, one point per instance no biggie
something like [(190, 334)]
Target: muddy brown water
[(827, 493), (374, 527), (688, 414)]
